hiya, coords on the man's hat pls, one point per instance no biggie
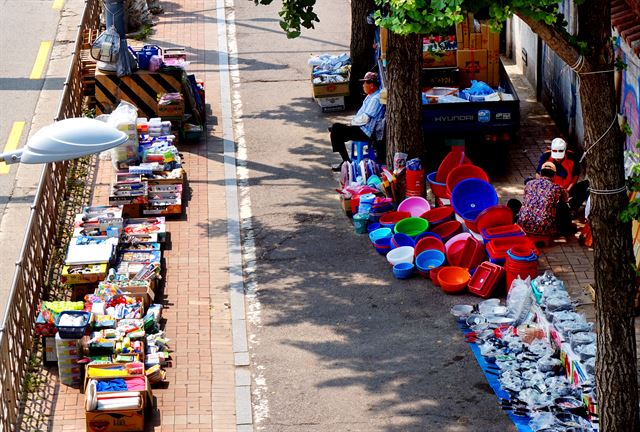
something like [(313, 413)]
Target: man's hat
[(371, 76)]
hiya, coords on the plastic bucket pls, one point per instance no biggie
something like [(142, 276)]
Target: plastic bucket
[(411, 226), (415, 183), (360, 223), (522, 269)]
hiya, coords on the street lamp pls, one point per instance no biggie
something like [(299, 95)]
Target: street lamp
[(66, 139)]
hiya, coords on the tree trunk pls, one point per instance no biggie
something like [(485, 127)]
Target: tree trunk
[(616, 373), (404, 120), (362, 54)]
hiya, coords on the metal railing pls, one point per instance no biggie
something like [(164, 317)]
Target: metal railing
[(17, 328)]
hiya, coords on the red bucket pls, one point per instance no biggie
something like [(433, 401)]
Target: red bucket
[(415, 183), (522, 269)]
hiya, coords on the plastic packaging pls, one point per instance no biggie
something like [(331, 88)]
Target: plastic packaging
[(124, 118), (106, 47), (519, 300)]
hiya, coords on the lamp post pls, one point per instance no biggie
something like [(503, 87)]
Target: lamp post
[(66, 139)]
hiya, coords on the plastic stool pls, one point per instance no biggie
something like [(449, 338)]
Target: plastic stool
[(357, 151), (538, 240)]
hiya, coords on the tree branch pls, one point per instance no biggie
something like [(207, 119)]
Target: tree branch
[(555, 40)]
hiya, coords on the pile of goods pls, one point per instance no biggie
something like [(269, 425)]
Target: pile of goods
[(538, 354), (330, 80)]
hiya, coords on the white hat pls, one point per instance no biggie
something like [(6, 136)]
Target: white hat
[(558, 148)]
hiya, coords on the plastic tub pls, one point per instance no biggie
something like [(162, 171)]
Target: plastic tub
[(401, 239), (415, 205), (403, 270), (470, 197), (382, 245), (494, 216), (426, 234), (373, 226), (453, 159), (486, 279), (427, 243), (455, 238), (453, 280), (463, 172), (391, 218), (380, 233), (448, 229), (438, 215), (73, 332), (428, 260), (403, 254), (439, 189), (411, 226)]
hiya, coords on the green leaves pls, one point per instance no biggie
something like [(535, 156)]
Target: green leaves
[(418, 16)]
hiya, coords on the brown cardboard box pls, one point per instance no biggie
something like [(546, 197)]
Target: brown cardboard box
[(493, 59), (464, 26), (173, 110), (330, 89), (472, 41), (83, 273), (438, 59), (484, 36), (472, 65), (460, 36), (121, 420)]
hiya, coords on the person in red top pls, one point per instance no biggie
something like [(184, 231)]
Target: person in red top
[(567, 172)]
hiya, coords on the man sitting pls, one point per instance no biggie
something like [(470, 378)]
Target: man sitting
[(567, 172), (368, 122), (545, 211)]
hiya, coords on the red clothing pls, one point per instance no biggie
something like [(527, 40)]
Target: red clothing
[(538, 213), (567, 169)]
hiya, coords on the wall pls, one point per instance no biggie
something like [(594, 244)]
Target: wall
[(524, 38)]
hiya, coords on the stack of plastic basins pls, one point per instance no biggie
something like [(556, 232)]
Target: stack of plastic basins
[(68, 352), (415, 183), (485, 279), (520, 266)]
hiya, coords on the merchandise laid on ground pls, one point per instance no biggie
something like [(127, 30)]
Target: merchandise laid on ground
[(109, 342), (537, 353)]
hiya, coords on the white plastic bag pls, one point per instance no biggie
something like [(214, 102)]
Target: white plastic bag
[(124, 118), (106, 47)]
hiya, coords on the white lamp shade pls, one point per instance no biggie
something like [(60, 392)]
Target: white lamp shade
[(70, 139)]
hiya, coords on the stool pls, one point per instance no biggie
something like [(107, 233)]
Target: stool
[(544, 240), (357, 151)]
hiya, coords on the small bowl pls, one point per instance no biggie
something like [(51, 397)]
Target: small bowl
[(403, 254), (453, 280), (403, 270)]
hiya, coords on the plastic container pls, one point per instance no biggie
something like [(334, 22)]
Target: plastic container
[(454, 158), (433, 274), (73, 332), (470, 197), (455, 238), (382, 245), (438, 215), (439, 189), (448, 229), (414, 183), (403, 270), (360, 221), (497, 248), (380, 233), (463, 172), (416, 205), (391, 218), (501, 231), (373, 226), (145, 54), (411, 226), (403, 254), (428, 260), (427, 243), (494, 216), (453, 280), (522, 269), (486, 279), (400, 239)]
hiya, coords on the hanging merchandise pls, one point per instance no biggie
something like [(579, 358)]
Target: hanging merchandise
[(106, 47)]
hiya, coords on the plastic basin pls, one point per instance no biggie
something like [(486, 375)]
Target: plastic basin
[(403, 270), (411, 226), (391, 218), (380, 233), (382, 245), (463, 172), (454, 158), (403, 254), (428, 260), (415, 205), (438, 215), (427, 243), (494, 216), (448, 229), (453, 279), (401, 239), (470, 197), (439, 189)]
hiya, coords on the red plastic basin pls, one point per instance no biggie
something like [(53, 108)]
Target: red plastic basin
[(462, 172)]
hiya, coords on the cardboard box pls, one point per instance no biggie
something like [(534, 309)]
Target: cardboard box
[(330, 89), (460, 36), (438, 59), (173, 109), (146, 292), (484, 36), (472, 41), (464, 27), (121, 420), (472, 65), (493, 59), (83, 273), (331, 104)]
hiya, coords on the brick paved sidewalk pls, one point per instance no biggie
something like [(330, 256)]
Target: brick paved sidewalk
[(200, 392)]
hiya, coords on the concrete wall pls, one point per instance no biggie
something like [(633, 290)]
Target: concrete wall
[(525, 49)]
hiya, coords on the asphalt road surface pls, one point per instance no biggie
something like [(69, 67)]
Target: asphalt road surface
[(337, 344)]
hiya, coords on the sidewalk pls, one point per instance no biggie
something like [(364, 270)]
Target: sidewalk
[(199, 395)]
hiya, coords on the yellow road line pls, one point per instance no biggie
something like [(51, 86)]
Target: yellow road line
[(41, 60), (12, 143), (57, 4)]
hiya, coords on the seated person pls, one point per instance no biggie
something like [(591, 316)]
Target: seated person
[(567, 172), (544, 209), (367, 124)]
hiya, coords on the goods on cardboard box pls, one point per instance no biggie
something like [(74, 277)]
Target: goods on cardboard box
[(439, 51), (68, 353), (435, 94), (171, 105), (474, 35), (330, 75)]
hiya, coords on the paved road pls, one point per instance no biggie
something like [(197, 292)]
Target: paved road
[(24, 25), (337, 343)]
